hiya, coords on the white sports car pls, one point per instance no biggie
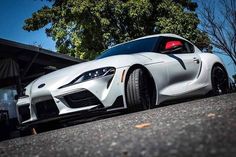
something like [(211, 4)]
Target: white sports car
[(137, 74)]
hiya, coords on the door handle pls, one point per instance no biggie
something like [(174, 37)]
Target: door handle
[(196, 60)]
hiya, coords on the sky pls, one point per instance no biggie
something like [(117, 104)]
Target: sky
[(12, 16), (14, 12), (231, 68)]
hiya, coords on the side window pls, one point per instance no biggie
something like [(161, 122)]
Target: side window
[(190, 47), (172, 46)]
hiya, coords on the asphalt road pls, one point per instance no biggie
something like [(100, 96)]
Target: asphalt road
[(205, 127)]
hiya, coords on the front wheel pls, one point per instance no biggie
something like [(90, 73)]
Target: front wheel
[(219, 80), (139, 90)]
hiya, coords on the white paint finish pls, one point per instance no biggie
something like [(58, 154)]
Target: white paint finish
[(175, 76)]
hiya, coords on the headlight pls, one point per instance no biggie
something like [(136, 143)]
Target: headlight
[(97, 73)]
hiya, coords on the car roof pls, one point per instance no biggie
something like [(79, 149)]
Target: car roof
[(151, 36), (161, 35)]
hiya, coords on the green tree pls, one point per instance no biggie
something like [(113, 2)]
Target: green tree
[(220, 29), (84, 28)]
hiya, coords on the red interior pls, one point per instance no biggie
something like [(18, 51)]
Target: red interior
[(173, 44)]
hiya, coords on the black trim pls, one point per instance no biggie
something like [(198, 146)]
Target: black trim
[(46, 109), (119, 102), (80, 115), (24, 112), (67, 117), (200, 70), (81, 99)]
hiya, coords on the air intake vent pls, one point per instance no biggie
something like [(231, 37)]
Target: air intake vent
[(46, 109), (82, 99), (24, 112)]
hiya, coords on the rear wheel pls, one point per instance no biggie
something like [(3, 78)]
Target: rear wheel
[(140, 90), (219, 80)]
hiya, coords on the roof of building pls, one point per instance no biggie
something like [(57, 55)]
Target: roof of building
[(18, 50), (34, 61)]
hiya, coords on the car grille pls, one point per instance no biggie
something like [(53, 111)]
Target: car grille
[(24, 112), (46, 109), (81, 99)]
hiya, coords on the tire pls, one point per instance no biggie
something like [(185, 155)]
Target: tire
[(219, 80), (138, 92)]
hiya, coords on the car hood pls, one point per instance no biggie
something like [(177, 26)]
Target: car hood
[(63, 76)]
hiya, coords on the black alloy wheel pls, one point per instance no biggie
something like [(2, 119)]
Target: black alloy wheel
[(219, 80)]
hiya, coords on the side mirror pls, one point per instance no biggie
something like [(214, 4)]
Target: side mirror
[(173, 45)]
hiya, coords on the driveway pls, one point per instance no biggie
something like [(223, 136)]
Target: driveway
[(205, 127)]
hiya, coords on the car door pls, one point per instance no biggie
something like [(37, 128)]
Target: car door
[(183, 63)]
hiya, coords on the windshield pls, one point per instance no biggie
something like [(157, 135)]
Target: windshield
[(141, 45)]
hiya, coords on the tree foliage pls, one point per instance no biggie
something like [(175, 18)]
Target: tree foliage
[(84, 28), (220, 24)]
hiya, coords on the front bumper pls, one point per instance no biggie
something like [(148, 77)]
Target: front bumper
[(102, 93)]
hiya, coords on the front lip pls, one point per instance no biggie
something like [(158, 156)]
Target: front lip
[(79, 114)]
